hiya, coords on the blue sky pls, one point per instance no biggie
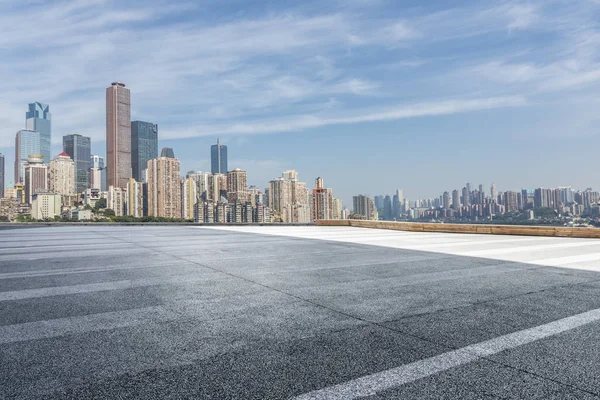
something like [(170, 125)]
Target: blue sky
[(370, 95)]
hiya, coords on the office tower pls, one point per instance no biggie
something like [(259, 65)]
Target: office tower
[(38, 118), (167, 152), (164, 188), (237, 187), (144, 147), (218, 158), (322, 201), (387, 209), (2, 166), (189, 196), (363, 206), (455, 200), (379, 201), (290, 175), (97, 173), (494, 192), (118, 135), (134, 204), (35, 176), (26, 142), (79, 148), (466, 197), (61, 178)]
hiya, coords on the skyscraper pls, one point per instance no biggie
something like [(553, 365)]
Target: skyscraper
[(455, 200), (237, 186), (35, 176), (79, 148), (322, 201), (97, 173), (2, 175), (38, 118), (387, 209), (61, 178), (363, 206), (494, 192), (144, 147), (218, 158), (290, 175), (26, 142), (164, 188), (446, 200), (167, 152), (118, 135)]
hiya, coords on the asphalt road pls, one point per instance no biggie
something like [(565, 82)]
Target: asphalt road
[(150, 312)]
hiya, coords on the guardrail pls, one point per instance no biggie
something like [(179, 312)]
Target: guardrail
[(556, 231)]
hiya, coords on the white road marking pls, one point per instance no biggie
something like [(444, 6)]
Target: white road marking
[(555, 251), (372, 384)]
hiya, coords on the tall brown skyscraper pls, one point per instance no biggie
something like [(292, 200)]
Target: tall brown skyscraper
[(118, 135), (237, 186)]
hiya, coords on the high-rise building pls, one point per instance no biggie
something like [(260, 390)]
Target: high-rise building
[(387, 209), (322, 201), (466, 194), (363, 206), (39, 119), (35, 176), (290, 175), (446, 200), (116, 199), (167, 152), (337, 208), (118, 135), (144, 147), (134, 204), (237, 186), (202, 183), (218, 158), (26, 142), (189, 196), (280, 197), (455, 200), (79, 149), (164, 188), (2, 183), (97, 173), (494, 192), (61, 178)]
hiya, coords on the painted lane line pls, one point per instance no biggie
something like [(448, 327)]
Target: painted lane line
[(372, 384)]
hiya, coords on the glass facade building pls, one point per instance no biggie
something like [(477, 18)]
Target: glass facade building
[(38, 118), (26, 142), (79, 149), (167, 152), (97, 173), (218, 158), (144, 147)]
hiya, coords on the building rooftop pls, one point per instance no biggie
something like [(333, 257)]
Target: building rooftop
[(296, 312)]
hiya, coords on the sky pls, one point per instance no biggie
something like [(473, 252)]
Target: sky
[(370, 95)]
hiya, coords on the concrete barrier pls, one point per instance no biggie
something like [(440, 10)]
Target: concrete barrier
[(522, 230)]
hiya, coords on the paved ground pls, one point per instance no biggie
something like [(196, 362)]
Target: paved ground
[(311, 312)]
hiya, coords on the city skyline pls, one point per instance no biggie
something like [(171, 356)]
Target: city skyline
[(318, 84)]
